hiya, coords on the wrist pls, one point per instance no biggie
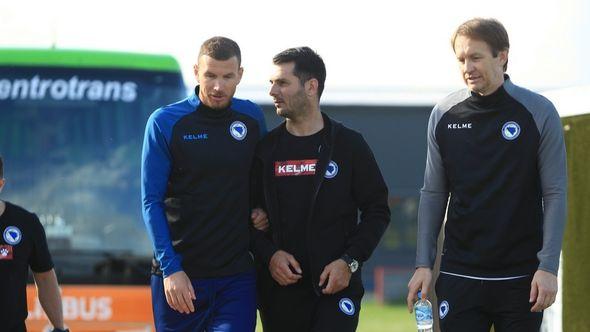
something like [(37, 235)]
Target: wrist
[(353, 264)]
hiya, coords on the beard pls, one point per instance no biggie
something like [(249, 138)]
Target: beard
[(297, 106), (218, 105), (286, 113)]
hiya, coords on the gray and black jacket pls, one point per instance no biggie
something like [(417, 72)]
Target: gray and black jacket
[(499, 161)]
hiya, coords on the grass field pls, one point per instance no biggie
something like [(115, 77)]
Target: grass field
[(377, 318)]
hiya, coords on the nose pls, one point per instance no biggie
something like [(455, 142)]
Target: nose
[(468, 66), (218, 85), (273, 92)]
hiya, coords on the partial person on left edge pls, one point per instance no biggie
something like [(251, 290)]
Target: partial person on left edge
[(23, 245)]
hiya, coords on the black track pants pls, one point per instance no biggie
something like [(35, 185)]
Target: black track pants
[(474, 305)]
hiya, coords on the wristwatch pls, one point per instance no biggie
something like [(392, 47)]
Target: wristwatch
[(55, 329), (352, 263)]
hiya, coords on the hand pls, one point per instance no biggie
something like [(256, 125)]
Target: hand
[(280, 268), (337, 274), (259, 219), (179, 292), (420, 281), (543, 290)]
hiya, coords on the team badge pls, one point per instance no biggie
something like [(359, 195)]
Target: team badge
[(5, 252), (238, 130), (443, 309), (510, 130), (346, 306), (12, 235), (331, 170)]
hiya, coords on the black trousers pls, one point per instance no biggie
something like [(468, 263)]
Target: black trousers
[(474, 305), (297, 308)]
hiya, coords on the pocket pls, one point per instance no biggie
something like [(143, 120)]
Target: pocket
[(356, 284), (173, 207), (520, 283), (438, 283), (183, 214)]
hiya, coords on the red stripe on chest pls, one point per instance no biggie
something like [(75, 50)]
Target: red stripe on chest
[(295, 167)]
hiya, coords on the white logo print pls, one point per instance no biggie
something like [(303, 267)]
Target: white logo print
[(12, 235), (459, 125), (346, 306), (510, 130), (331, 170), (443, 309), (238, 130)]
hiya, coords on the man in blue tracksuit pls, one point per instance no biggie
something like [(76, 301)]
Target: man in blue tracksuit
[(196, 206)]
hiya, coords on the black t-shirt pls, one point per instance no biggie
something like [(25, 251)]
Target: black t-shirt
[(295, 161), (22, 244)]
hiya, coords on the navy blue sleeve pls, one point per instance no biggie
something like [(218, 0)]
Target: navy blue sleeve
[(156, 164), (259, 116), (252, 110)]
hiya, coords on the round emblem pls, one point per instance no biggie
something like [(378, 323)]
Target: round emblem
[(12, 235), (346, 306), (510, 130), (443, 309), (331, 170), (238, 130)]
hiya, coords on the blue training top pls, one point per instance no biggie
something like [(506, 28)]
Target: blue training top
[(195, 177)]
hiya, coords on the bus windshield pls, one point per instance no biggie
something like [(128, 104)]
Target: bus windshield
[(71, 142)]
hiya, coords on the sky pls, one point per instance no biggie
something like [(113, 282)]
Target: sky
[(372, 49)]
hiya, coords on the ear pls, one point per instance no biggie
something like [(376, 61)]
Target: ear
[(1, 184), (240, 73), (311, 87), (196, 71), (503, 56)]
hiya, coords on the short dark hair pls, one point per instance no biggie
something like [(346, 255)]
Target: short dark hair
[(1, 168), (488, 30), (308, 65), (221, 48)]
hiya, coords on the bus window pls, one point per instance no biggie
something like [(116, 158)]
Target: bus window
[(71, 129)]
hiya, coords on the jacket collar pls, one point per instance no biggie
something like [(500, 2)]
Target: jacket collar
[(331, 128)]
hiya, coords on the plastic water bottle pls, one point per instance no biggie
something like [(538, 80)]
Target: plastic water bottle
[(423, 312)]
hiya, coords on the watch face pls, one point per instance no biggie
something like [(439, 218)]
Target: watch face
[(354, 265)]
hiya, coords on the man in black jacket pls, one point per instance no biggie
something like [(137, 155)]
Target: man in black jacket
[(313, 175)]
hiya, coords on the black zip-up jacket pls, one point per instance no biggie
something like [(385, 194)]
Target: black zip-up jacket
[(501, 158), (333, 227)]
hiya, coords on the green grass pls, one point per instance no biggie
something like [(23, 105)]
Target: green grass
[(380, 318), (575, 243), (390, 318)]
